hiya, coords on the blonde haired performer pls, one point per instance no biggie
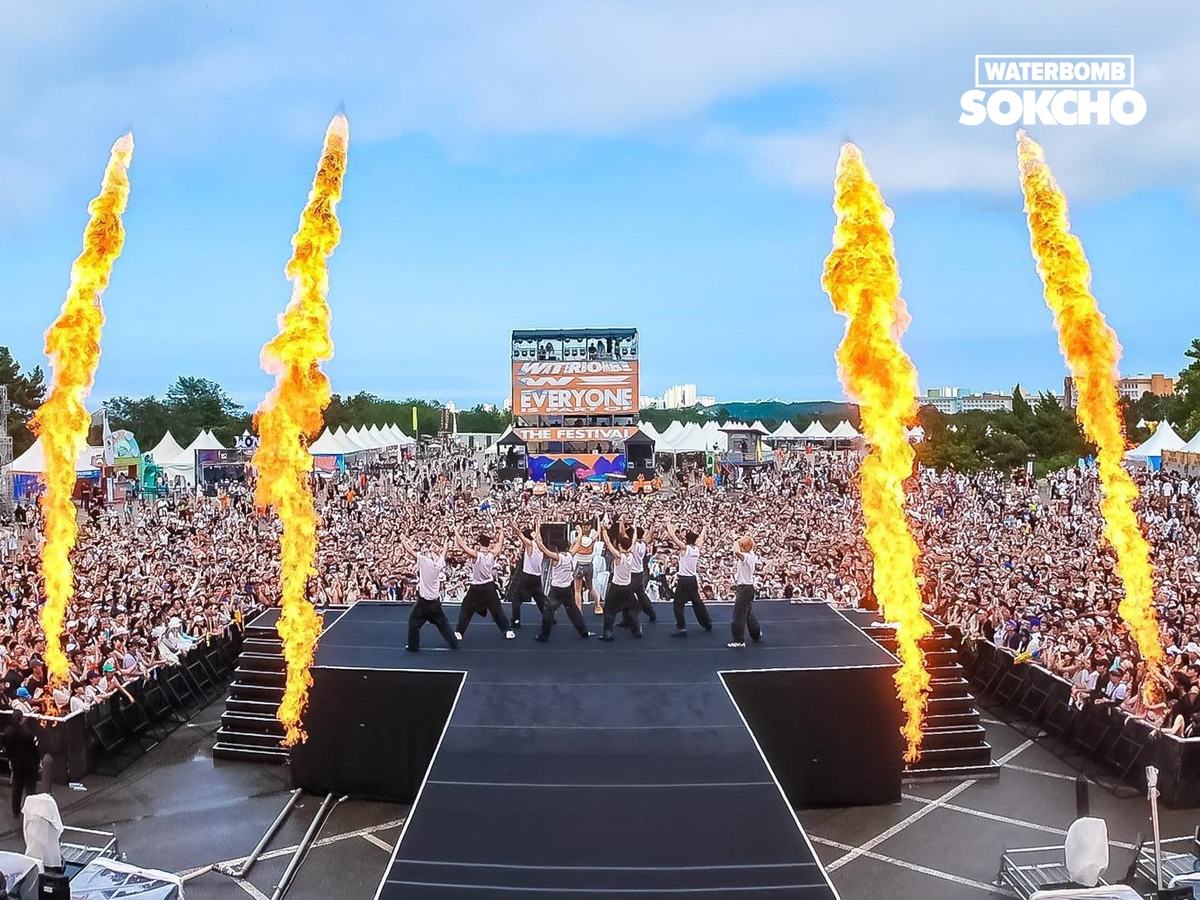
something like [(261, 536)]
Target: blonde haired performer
[(743, 604)]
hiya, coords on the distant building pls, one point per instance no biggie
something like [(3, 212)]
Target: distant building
[(679, 396), (706, 401), (945, 400), (650, 402), (1131, 387), (986, 402)]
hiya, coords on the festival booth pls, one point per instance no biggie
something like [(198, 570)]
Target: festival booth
[(844, 436), (511, 457), (155, 477), (745, 444), (125, 475), (1150, 453), (28, 468), (639, 457), (328, 454), (560, 472), (1184, 461), (215, 463)]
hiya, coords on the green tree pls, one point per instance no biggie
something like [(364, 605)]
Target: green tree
[(1185, 408), (197, 404), (26, 391), (148, 418)]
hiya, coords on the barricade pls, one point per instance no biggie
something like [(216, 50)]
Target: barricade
[(1101, 742)]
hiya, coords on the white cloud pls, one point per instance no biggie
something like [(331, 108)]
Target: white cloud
[(72, 76)]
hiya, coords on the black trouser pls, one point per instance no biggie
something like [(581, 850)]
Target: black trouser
[(526, 587), (687, 590), (429, 611), (564, 597), (743, 614), (638, 585), (619, 598), (24, 783), (480, 600)]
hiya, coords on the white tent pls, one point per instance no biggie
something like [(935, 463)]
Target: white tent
[(715, 437), (650, 431), (346, 440), (33, 460), (205, 440), (916, 434), (166, 449), (844, 432), (1164, 438), (325, 445), (1192, 446), (815, 432), (786, 432), (760, 427), (673, 431)]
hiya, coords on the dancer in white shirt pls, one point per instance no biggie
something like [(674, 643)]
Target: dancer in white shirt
[(562, 575), (482, 596), (687, 585), (428, 608), (743, 605)]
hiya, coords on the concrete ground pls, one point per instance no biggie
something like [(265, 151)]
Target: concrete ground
[(944, 840), (177, 809)]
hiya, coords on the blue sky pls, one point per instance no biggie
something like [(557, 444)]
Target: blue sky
[(527, 164)]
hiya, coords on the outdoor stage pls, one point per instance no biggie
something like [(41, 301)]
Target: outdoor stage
[(660, 765)]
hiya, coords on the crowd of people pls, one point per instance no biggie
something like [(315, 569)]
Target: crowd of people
[(1012, 560)]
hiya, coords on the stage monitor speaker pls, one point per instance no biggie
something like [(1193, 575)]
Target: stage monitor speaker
[(554, 534)]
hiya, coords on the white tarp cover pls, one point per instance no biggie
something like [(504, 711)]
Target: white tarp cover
[(1164, 438), (42, 828), (1100, 892), (20, 875), (105, 879), (1086, 850)]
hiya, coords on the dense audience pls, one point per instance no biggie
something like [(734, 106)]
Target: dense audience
[(1016, 562)]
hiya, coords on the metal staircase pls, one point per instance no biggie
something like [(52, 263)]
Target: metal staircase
[(954, 743), (249, 730)]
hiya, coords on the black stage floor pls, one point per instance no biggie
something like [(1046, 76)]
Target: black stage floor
[(578, 768)]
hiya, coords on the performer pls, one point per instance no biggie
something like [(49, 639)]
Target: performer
[(527, 581), (642, 537), (619, 596), (428, 608), (562, 574), (687, 587), (21, 748), (743, 604), (581, 551), (482, 596)]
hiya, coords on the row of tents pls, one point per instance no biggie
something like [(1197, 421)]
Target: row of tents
[(1165, 437), (694, 437)]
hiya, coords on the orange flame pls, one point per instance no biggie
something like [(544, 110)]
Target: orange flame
[(291, 415), (862, 279), (62, 421), (1091, 350)]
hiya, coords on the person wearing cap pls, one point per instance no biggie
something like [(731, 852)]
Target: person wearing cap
[(24, 760)]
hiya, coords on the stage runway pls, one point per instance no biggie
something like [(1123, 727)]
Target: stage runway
[(578, 768)]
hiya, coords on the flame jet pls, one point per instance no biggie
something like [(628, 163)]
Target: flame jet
[(291, 415), (62, 421), (1091, 350), (862, 279)]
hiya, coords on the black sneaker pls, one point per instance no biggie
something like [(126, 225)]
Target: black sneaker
[(516, 623), (637, 632), (653, 617), (606, 637), (679, 632), (541, 638), (411, 649), (586, 635), (708, 628), (756, 638)]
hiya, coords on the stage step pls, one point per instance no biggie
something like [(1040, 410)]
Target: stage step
[(249, 722), (952, 773), (250, 706), (953, 757), (264, 646), (263, 662), (278, 755), (948, 687), (952, 738), (952, 720), (248, 738), (261, 677)]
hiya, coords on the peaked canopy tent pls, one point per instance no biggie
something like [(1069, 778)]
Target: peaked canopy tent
[(845, 432), (785, 432), (816, 432), (28, 468), (1192, 446), (166, 450), (1150, 452)]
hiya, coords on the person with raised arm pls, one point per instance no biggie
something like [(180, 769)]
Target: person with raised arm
[(482, 597), (562, 575), (582, 551), (619, 596), (642, 539), (687, 585), (431, 563), (527, 581), (746, 560)]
